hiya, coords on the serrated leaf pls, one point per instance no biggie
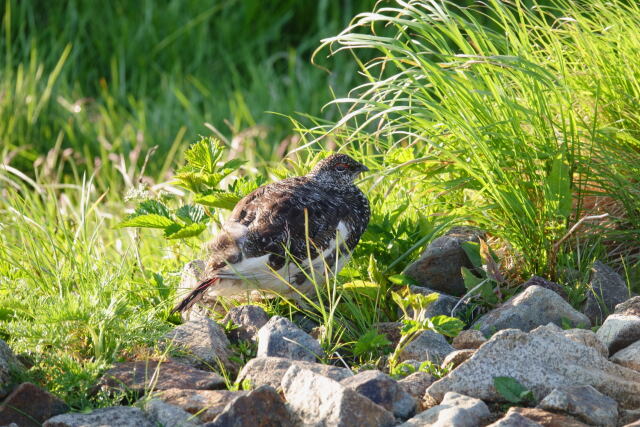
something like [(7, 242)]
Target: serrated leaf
[(148, 221), (446, 325), (192, 214), (222, 199), (180, 232), (204, 154), (152, 207), (510, 389), (234, 164), (369, 342)]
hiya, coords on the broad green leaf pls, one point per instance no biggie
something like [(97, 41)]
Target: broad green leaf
[(362, 287), (181, 232), (191, 214), (511, 390), (445, 325), (470, 279), (152, 207), (148, 221), (370, 342), (419, 302), (222, 199), (472, 249), (401, 279)]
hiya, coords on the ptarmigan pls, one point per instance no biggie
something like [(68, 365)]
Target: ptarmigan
[(273, 233)]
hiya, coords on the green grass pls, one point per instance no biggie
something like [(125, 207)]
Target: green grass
[(520, 120)]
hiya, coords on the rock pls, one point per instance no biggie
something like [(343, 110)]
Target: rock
[(628, 356), (456, 358), (607, 289), (391, 330), (543, 283), (416, 384), (514, 419), (621, 328), (29, 405), (248, 319), (428, 345), (442, 306), (166, 414), (454, 410), (629, 417), (541, 360), (547, 419), (8, 362), (260, 407), (319, 401), (634, 424), (205, 343), (534, 307), (141, 376), (439, 267), (468, 339), (586, 337), (270, 370), (205, 404), (115, 416), (584, 402), (280, 337), (383, 390), (190, 279)]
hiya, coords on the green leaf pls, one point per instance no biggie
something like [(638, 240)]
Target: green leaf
[(192, 214), (472, 249), (177, 231), (152, 207), (370, 342), (222, 199), (148, 221), (445, 325), (362, 287), (204, 154), (511, 390), (470, 279), (558, 195), (401, 279)]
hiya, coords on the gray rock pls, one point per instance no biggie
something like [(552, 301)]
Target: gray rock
[(541, 360), (607, 289), (205, 404), (628, 357), (630, 307), (455, 410), (628, 417), (319, 401), (584, 402), (440, 265), (280, 337), (115, 416), (416, 384), (190, 279), (204, 342), (442, 306), (143, 376), (270, 370), (543, 283), (534, 307), (260, 407), (167, 415), (428, 345), (514, 419), (456, 358), (29, 405), (588, 338), (468, 339), (619, 331), (383, 390), (8, 362), (546, 418), (248, 319)]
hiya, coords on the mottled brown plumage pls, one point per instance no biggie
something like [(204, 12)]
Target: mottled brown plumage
[(266, 235)]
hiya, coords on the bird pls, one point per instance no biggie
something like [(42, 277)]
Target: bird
[(280, 237)]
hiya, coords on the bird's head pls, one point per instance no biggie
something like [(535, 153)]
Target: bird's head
[(337, 170)]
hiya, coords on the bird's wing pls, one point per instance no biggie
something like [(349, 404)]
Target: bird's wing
[(287, 218)]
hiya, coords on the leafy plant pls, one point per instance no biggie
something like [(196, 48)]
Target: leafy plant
[(512, 391)]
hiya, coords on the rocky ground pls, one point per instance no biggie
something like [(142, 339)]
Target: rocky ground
[(575, 376)]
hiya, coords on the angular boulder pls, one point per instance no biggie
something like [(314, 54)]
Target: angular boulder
[(585, 403), (165, 414), (628, 357), (439, 267), (606, 290), (428, 345), (546, 418), (8, 362), (470, 339), (535, 306), (121, 416), (454, 410), (541, 360), (248, 320), (416, 384), (514, 419), (260, 407), (588, 338), (205, 404), (544, 283), (270, 370), (204, 342), (29, 406), (319, 401), (280, 337), (383, 390), (456, 358), (621, 328)]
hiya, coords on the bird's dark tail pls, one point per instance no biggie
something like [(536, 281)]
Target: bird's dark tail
[(194, 296)]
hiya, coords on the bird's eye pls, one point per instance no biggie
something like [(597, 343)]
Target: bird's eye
[(341, 167)]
